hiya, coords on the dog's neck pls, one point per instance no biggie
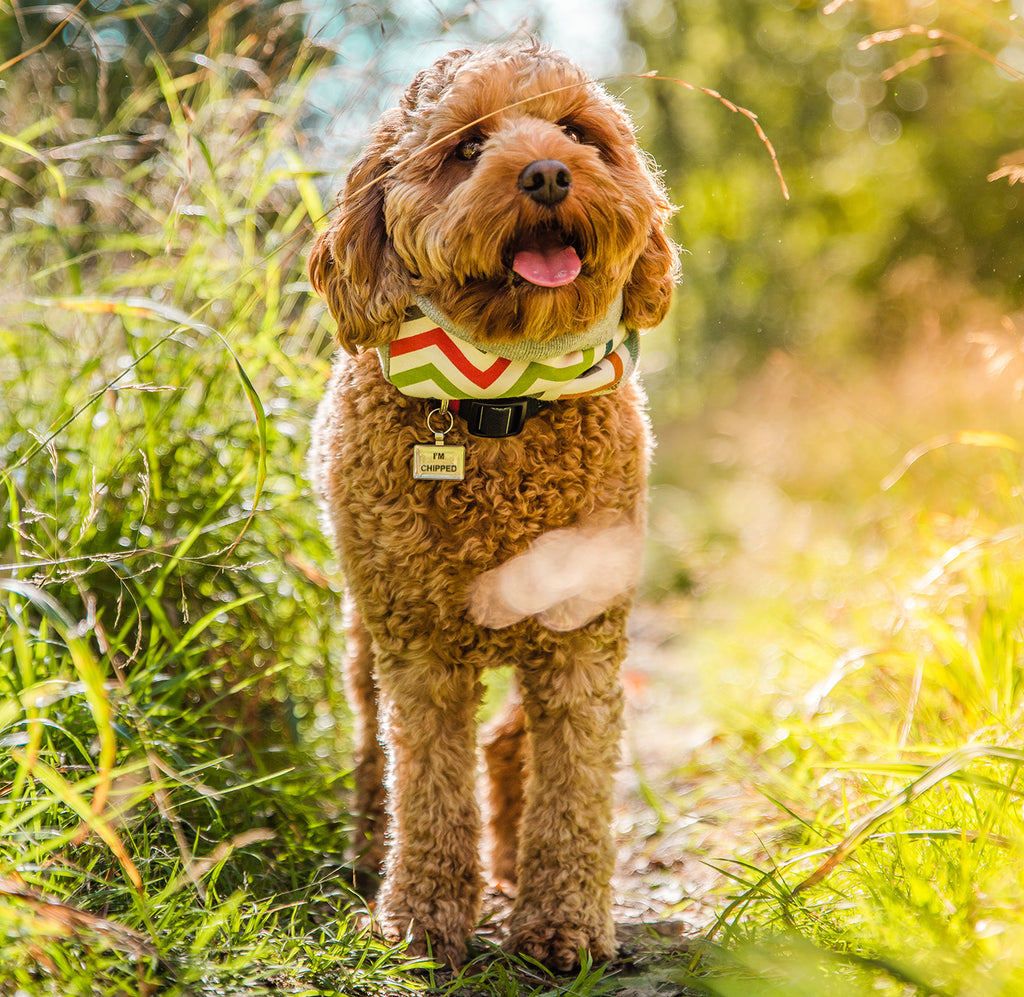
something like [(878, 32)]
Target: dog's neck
[(603, 330)]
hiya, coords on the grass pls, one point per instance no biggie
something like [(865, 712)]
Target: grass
[(172, 803), (876, 587), (175, 743)]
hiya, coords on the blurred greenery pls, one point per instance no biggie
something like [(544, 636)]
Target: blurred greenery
[(175, 742), (890, 204), (105, 50)]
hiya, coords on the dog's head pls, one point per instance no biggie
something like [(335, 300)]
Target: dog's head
[(508, 188)]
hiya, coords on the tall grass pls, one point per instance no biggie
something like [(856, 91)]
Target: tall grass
[(866, 527), (908, 878), (171, 815), (885, 616)]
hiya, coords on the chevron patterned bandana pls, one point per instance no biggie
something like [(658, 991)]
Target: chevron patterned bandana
[(427, 360)]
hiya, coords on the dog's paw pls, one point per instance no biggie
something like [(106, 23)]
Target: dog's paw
[(431, 928), (571, 614), (489, 604), (437, 945), (565, 578), (449, 952), (559, 946)]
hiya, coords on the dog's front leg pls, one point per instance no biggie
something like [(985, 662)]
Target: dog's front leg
[(573, 702), (432, 882)]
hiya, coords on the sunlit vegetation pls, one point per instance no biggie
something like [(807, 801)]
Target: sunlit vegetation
[(836, 541), (886, 153)]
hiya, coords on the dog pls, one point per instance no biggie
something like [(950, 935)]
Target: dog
[(480, 457)]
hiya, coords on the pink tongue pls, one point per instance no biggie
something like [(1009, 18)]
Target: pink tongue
[(547, 266)]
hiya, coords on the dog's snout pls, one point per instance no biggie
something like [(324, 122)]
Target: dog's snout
[(546, 181)]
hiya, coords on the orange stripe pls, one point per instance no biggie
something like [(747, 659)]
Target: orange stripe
[(617, 366)]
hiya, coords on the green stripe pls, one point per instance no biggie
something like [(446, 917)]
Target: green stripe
[(535, 370), (632, 344), (428, 372)]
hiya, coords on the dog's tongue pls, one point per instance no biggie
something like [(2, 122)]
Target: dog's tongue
[(547, 263)]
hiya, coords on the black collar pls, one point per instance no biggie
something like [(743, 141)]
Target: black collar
[(495, 418)]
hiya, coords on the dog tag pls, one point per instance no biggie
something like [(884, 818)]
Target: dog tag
[(435, 461)]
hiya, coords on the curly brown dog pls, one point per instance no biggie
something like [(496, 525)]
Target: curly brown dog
[(501, 235)]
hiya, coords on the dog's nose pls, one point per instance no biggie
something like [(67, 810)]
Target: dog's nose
[(547, 181)]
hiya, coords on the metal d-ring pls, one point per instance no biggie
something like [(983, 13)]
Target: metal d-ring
[(443, 410)]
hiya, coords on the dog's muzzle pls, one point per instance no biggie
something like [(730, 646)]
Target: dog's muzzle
[(495, 418)]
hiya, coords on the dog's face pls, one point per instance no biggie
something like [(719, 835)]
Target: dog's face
[(508, 189)]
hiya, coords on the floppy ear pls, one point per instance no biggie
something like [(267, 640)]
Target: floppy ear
[(648, 291), (353, 265)]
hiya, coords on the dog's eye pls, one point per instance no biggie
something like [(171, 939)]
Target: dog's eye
[(571, 133), (469, 149)]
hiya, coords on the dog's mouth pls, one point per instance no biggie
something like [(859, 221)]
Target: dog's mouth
[(546, 259)]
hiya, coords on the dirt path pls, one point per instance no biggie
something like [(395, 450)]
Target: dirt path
[(680, 806)]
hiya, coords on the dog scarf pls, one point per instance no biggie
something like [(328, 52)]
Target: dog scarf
[(432, 358)]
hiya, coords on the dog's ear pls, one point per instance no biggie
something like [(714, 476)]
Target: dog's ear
[(353, 265), (648, 291)]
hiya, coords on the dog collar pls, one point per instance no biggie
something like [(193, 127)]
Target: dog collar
[(430, 358), (495, 418)]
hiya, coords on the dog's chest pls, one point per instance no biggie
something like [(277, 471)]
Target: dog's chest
[(571, 462), (512, 492)]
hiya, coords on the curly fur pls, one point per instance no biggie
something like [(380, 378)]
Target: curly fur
[(433, 568)]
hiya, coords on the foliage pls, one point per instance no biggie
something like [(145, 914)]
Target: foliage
[(890, 208), (859, 630), (100, 54), (171, 803), (902, 761)]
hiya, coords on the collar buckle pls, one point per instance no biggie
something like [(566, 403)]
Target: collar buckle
[(496, 418)]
